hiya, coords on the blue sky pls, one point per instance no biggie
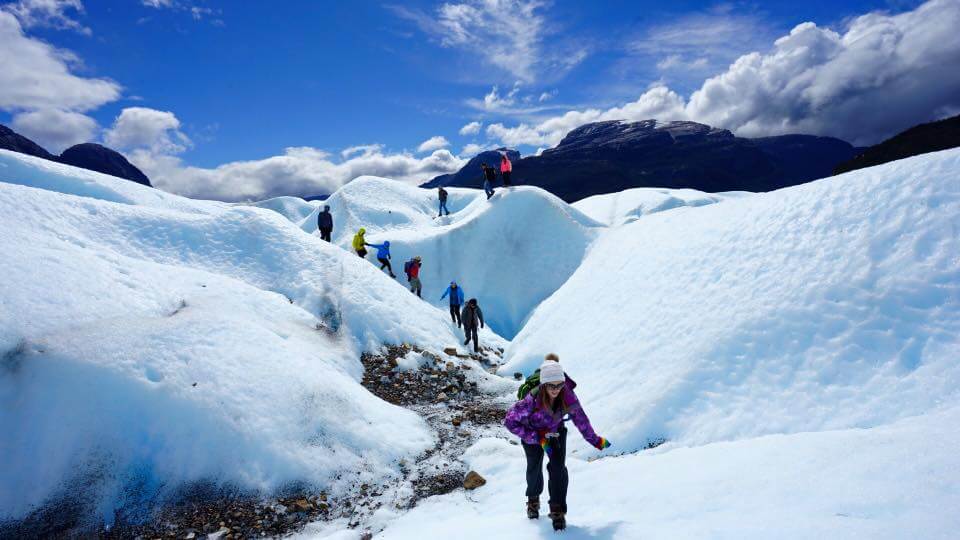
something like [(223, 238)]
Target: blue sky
[(209, 96)]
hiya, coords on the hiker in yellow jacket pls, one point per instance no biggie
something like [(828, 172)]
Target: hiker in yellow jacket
[(359, 243)]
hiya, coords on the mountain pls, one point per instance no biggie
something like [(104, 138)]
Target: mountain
[(88, 156), (930, 137), (11, 140), (471, 173), (605, 157), (102, 159)]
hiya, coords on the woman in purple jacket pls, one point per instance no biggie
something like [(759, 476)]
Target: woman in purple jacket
[(538, 420)]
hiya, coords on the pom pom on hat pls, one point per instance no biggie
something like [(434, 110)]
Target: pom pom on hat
[(551, 372)]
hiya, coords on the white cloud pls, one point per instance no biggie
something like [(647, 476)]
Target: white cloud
[(433, 143), (361, 150), (299, 171), (54, 129), (48, 13), (884, 74), (658, 102), (158, 3), (36, 75), (507, 34), (691, 44), (471, 129), (547, 96), (144, 128), (473, 149)]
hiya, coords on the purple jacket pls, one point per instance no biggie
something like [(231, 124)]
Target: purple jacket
[(528, 420)]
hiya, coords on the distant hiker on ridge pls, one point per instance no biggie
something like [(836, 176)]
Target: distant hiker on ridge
[(443, 201), (506, 168), (538, 419), (489, 176), (325, 222), (456, 299), (383, 255), (471, 316), (359, 243), (412, 269)]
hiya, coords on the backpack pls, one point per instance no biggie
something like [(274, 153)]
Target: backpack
[(529, 384), (406, 268)]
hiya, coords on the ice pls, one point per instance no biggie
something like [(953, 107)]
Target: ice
[(829, 305)]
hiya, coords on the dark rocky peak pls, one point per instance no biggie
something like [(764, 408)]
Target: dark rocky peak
[(102, 159), (13, 141)]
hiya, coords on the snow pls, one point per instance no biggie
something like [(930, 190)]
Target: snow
[(293, 208), (510, 253), (895, 481), (831, 305), (627, 206), (153, 340), (796, 349)]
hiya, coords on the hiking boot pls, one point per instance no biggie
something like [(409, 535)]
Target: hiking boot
[(467, 341), (558, 514), (533, 508)]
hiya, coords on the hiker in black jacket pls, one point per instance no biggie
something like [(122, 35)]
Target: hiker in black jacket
[(471, 316), (443, 202), (489, 176), (325, 223)]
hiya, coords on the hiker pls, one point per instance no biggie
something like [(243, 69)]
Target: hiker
[(471, 316), (325, 223), (489, 176), (456, 299), (383, 255), (359, 243), (412, 269), (443, 202), (505, 169), (538, 419)]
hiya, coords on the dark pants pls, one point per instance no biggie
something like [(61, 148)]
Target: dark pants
[(362, 252), (385, 263), (471, 333), (415, 286), (506, 178), (443, 208), (325, 233), (556, 467), (488, 188), (455, 313)]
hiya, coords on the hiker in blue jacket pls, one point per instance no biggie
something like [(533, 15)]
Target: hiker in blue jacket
[(456, 300), (383, 255)]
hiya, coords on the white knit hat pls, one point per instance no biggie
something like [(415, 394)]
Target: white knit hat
[(551, 372)]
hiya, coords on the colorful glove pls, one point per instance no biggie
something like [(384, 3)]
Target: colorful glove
[(545, 444), (602, 444)]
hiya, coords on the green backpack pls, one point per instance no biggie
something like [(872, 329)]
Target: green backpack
[(529, 384)]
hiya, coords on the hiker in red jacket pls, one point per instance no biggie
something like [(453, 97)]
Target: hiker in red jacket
[(412, 268), (505, 169)]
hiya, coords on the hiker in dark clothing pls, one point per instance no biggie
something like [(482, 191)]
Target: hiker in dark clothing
[(412, 268), (456, 300), (383, 255), (443, 202), (471, 316), (325, 223), (538, 419), (489, 176)]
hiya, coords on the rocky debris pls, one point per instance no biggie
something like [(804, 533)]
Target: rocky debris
[(440, 381), (473, 480), (439, 484), (450, 351)]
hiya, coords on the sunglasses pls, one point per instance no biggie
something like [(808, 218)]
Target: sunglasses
[(554, 386)]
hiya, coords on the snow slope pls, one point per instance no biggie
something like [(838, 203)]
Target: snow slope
[(293, 208), (831, 305), (510, 253), (150, 341), (895, 481), (627, 206)]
